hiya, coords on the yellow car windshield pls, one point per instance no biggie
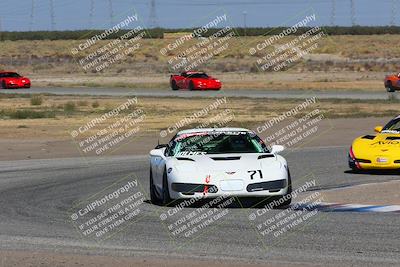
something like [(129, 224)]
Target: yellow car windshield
[(392, 127)]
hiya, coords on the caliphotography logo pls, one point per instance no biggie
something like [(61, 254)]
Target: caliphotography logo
[(109, 211)]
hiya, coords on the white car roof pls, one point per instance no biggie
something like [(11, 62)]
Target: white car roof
[(206, 130)]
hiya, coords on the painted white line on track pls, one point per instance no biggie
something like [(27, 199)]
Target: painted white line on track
[(336, 207)]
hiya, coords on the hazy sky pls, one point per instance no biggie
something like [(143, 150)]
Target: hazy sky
[(75, 14)]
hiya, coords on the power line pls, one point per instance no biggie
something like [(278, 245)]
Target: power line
[(231, 3)]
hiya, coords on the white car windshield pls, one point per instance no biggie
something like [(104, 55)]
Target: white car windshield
[(216, 143)]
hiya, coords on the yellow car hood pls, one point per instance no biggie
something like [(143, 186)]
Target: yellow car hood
[(383, 145)]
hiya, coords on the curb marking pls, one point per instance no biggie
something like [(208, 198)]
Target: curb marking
[(336, 207)]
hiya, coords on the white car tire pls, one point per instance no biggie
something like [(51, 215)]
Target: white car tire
[(153, 194), (166, 198)]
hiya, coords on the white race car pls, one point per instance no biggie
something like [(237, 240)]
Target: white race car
[(208, 163)]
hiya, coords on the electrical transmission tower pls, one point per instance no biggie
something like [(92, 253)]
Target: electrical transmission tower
[(393, 13), (352, 13), (91, 13), (153, 15), (32, 14), (110, 6), (52, 16), (333, 14), (1, 31)]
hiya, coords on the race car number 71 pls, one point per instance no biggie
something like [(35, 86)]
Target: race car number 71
[(252, 173)]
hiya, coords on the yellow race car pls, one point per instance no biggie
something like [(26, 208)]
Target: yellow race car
[(377, 152)]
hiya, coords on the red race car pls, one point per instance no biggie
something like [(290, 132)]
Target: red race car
[(194, 80), (392, 82), (9, 79)]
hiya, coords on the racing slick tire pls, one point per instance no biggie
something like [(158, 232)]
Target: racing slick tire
[(153, 195), (389, 87), (166, 198), (4, 85), (355, 169), (174, 86), (353, 166), (191, 86)]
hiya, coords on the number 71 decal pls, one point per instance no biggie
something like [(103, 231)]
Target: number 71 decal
[(254, 173)]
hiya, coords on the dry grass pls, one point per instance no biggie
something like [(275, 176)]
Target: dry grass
[(160, 114), (333, 53), (359, 46), (339, 63)]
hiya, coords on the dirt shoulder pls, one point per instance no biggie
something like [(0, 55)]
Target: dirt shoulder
[(338, 132), (33, 127), (48, 259)]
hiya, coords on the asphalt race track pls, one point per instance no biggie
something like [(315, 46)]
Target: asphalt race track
[(279, 94), (36, 196)]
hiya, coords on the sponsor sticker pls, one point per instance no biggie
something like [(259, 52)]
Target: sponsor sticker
[(382, 160)]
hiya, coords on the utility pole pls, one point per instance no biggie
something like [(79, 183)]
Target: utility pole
[(153, 23), (352, 13), (52, 16), (333, 14)]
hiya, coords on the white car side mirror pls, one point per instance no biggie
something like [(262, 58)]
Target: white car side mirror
[(157, 152), (277, 149)]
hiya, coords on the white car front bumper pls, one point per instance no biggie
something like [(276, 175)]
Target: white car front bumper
[(227, 185)]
